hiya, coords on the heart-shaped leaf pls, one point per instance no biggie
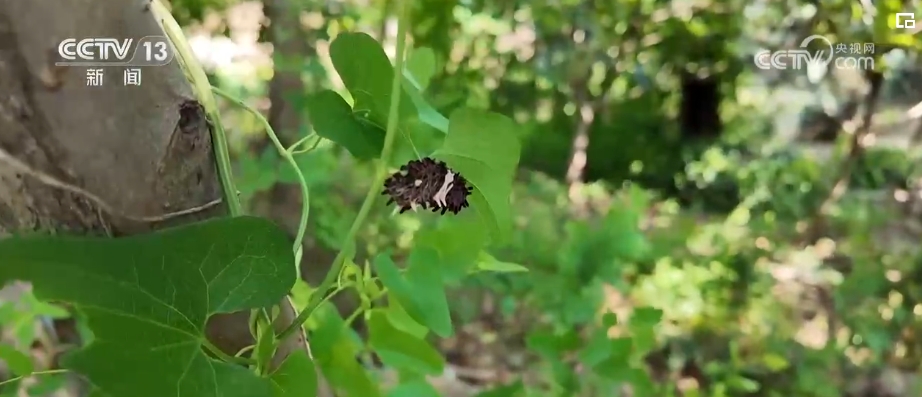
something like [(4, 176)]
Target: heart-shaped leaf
[(146, 299), (368, 74), (296, 377), (400, 349), (421, 292), (334, 120), (483, 147)]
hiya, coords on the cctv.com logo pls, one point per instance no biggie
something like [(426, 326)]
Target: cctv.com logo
[(801, 58)]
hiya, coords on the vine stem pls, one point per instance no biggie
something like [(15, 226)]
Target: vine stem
[(287, 155), (319, 294), (36, 373), (224, 356), (199, 79), (204, 92)]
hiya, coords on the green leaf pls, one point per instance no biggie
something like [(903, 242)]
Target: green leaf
[(367, 73), (490, 264), (515, 389), (11, 388), (402, 320), (18, 318), (421, 64), (646, 316), (333, 119), (597, 350), (398, 288), (622, 234), (458, 241), (743, 384), (483, 147), (617, 365), (146, 299), (422, 292), (47, 385), (335, 354), (644, 336), (609, 320), (425, 279), (884, 20), (775, 362), (553, 345), (301, 295), (641, 382), (907, 40), (400, 349), (296, 377), (17, 361), (416, 388), (426, 113)]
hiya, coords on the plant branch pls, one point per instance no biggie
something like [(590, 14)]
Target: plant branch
[(36, 373), (199, 79), (389, 138), (224, 356), (294, 149)]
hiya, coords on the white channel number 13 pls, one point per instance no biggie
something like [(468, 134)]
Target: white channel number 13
[(159, 55)]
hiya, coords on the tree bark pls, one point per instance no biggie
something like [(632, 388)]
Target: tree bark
[(112, 160)]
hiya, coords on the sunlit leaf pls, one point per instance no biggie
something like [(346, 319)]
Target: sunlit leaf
[(368, 74), (421, 64), (296, 377), (402, 320), (335, 353), (646, 316), (616, 366), (425, 278), (459, 241), (490, 264), (427, 114), (333, 119), (400, 349), (515, 389), (484, 148), (421, 292), (417, 388), (16, 361)]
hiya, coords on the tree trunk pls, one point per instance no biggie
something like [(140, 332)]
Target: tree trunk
[(700, 114), (110, 160)]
